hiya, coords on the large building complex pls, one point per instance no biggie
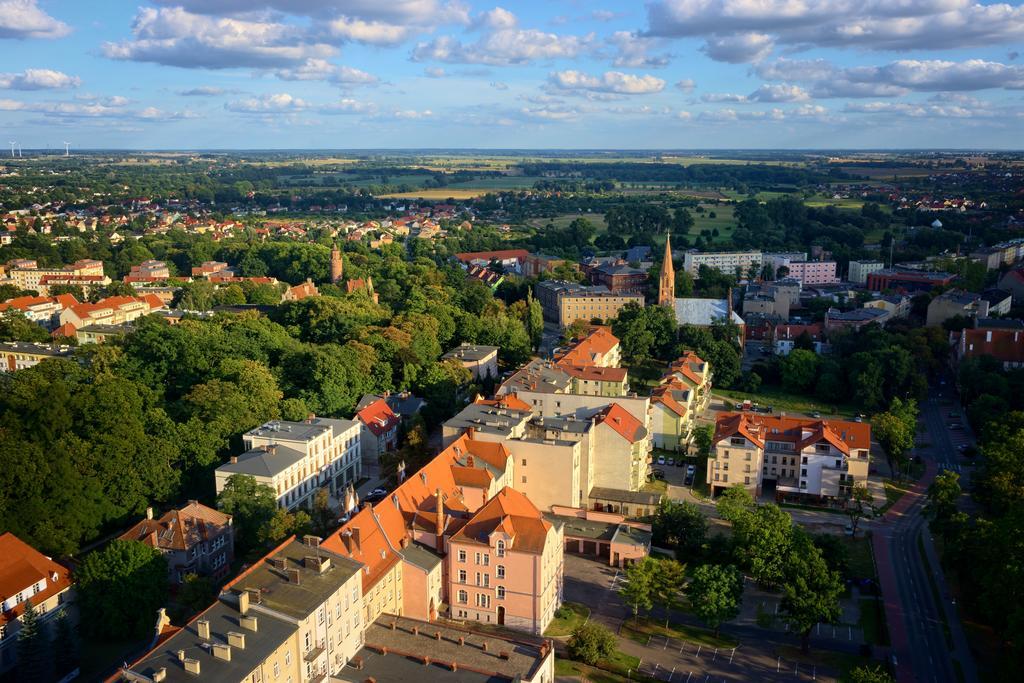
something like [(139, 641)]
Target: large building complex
[(86, 273), (726, 261), (566, 302), (859, 271), (297, 458), (681, 397), (788, 455)]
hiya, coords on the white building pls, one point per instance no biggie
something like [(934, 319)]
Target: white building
[(859, 270), (297, 458), (725, 261)]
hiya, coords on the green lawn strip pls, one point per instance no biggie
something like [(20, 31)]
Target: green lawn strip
[(620, 668), (656, 486), (894, 490), (641, 631), (814, 508), (570, 616), (934, 590), (862, 560), (783, 401), (840, 663)]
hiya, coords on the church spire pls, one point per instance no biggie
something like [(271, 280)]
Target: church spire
[(667, 282)]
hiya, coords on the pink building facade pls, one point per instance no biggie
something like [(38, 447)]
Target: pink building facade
[(813, 272)]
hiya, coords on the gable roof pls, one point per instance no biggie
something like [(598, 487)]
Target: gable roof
[(180, 529), (378, 417), (666, 395), (622, 422), (844, 435), (587, 351), (22, 566)]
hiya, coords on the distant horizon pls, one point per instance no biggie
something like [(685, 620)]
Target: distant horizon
[(59, 151)]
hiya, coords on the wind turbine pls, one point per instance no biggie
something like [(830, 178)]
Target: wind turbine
[(67, 148), (13, 143), (19, 151)]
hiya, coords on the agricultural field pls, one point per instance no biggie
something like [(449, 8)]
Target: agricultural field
[(511, 182), (439, 193), (724, 220), (563, 221), (693, 160)]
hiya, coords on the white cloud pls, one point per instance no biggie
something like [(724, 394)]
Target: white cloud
[(371, 32), (499, 85), (412, 114), (38, 79), (108, 108), (913, 110), (895, 78), (206, 91), (278, 103), (349, 106), (503, 43), (780, 92), (634, 51), (614, 82), (739, 48), (322, 70), (549, 113), (434, 72), (716, 97), (420, 12), (869, 24), (176, 37), (686, 85), (23, 19)]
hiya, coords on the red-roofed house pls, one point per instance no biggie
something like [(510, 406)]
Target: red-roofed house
[(26, 574), (379, 430), (682, 396), (1013, 282), (195, 539), (1005, 345), (505, 565), (44, 310), (796, 457), (114, 310), (299, 292), (621, 446)]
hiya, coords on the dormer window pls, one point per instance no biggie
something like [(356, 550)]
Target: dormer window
[(500, 548)]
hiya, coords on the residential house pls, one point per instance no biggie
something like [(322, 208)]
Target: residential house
[(194, 539), (481, 361), (859, 270), (99, 334), (299, 292), (792, 456), (28, 575), (566, 302), (705, 312), (114, 310), (956, 303), (619, 277), (907, 280), (505, 565), (44, 310), (1013, 281), (378, 430), (21, 355), (855, 319), (727, 262), (999, 301), (26, 274), (402, 403), (896, 305), (681, 397), (785, 338), (1005, 344), (296, 459), (149, 270)]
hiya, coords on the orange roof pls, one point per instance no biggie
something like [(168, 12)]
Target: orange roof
[(622, 422), (596, 373), (472, 476), (493, 255), (180, 529), (685, 366), (509, 401), (799, 431), (663, 395), (23, 303), (22, 566), (599, 342), (378, 417), (305, 290), (512, 512), (65, 330)]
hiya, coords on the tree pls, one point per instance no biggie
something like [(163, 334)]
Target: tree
[(716, 593), (33, 658), (763, 536), (323, 515), (590, 643), (894, 437), (120, 587), (64, 645), (870, 674), (681, 524), (799, 370), (253, 507), (667, 580), (810, 589), (645, 332), (703, 436), (197, 593), (638, 586), (734, 503), (941, 509), (534, 320), (14, 326), (860, 503)]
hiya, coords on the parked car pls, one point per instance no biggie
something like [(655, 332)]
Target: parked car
[(670, 461), (378, 492), (661, 459), (858, 419), (657, 474), (816, 415)]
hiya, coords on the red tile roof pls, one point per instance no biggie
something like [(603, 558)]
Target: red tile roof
[(180, 529), (512, 512), (500, 254), (586, 352), (23, 303), (1006, 346), (756, 427), (688, 365), (22, 566), (378, 417), (622, 422), (663, 395)]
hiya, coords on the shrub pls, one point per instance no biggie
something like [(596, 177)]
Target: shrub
[(591, 643)]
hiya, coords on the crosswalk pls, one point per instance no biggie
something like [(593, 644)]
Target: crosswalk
[(954, 467)]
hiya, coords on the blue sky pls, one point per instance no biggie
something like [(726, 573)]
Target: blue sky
[(522, 74)]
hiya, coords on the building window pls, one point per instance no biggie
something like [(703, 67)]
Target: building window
[(803, 472), (462, 556), (501, 571), (463, 597), (500, 548), (501, 592), (524, 462), (524, 479), (746, 480), (462, 576), (725, 477)]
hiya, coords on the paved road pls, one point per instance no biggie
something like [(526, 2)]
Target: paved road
[(919, 608)]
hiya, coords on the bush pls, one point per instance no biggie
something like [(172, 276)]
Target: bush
[(591, 643)]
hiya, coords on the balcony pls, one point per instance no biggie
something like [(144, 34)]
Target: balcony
[(313, 654)]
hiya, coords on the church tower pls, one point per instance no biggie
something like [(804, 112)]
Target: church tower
[(667, 282), (337, 265)]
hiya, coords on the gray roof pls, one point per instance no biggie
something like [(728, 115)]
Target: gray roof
[(260, 462), (995, 296), (421, 556), (403, 404), (624, 496), (538, 375), (37, 349), (102, 328), (703, 311), (999, 323), (588, 529), (270, 634), (298, 600), (470, 352), (857, 314), (299, 432), (629, 535), (487, 418)]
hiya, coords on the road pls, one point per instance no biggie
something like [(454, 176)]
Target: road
[(928, 640)]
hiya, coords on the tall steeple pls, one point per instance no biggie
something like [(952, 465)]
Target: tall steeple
[(337, 265), (667, 282)]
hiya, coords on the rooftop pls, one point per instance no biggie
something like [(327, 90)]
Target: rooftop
[(703, 311), (471, 352), (624, 496)]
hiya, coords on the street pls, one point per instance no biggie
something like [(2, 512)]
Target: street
[(928, 641)]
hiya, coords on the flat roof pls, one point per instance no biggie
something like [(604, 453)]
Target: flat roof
[(578, 527), (624, 496), (630, 535), (471, 352), (421, 556), (524, 653), (259, 462), (297, 599)]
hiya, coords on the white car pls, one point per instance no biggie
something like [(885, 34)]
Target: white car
[(661, 459)]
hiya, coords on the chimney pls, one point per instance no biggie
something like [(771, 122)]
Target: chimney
[(222, 651), (393, 626), (234, 459), (415, 630), (243, 602), (191, 665), (160, 675), (311, 541), (310, 417), (484, 646), (437, 635), (462, 641), (355, 537), (728, 306), (439, 523), (294, 577), (181, 655), (149, 513), (203, 627), (236, 639), (249, 623)]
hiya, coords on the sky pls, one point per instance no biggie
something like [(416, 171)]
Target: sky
[(525, 74)]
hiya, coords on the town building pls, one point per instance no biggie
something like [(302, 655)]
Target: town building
[(1005, 344), (21, 355), (856, 318), (812, 272), (510, 260), (619, 277), (194, 539), (297, 458), (1013, 281), (896, 305), (505, 565), (785, 337), (300, 292), (566, 302), (87, 273), (150, 270), (667, 277), (481, 361), (378, 430), (28, 575), (295, 615), (682, 396), (114, 310), (100, 333), (706, 312), (955, 303), (999, 301), (43, 310), (789, 456), (907, 280), (214, 269), (729, 262), (402, 403)]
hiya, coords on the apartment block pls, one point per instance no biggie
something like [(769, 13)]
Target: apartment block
[(566, 302), (297, 458), (43, 310), (790, 456), (784, 338), (26, 274), (681, 397), (505, 565), (194, 539), (21, 355), (481, 361), (28, 575), (859, 270), (378, 430), (1005, 344), (114, 310), (956, 303), (725, 261)]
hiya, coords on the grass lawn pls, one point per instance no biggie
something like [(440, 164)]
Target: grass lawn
[(574, 615), (872, 620), (440, 193), (839, 662), (563, 220), (608, 673), (641, 631), (656, 486), (862, 559), (783, 401)]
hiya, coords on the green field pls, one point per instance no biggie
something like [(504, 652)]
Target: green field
[(724, 221), (511, 182), (563, 221)]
